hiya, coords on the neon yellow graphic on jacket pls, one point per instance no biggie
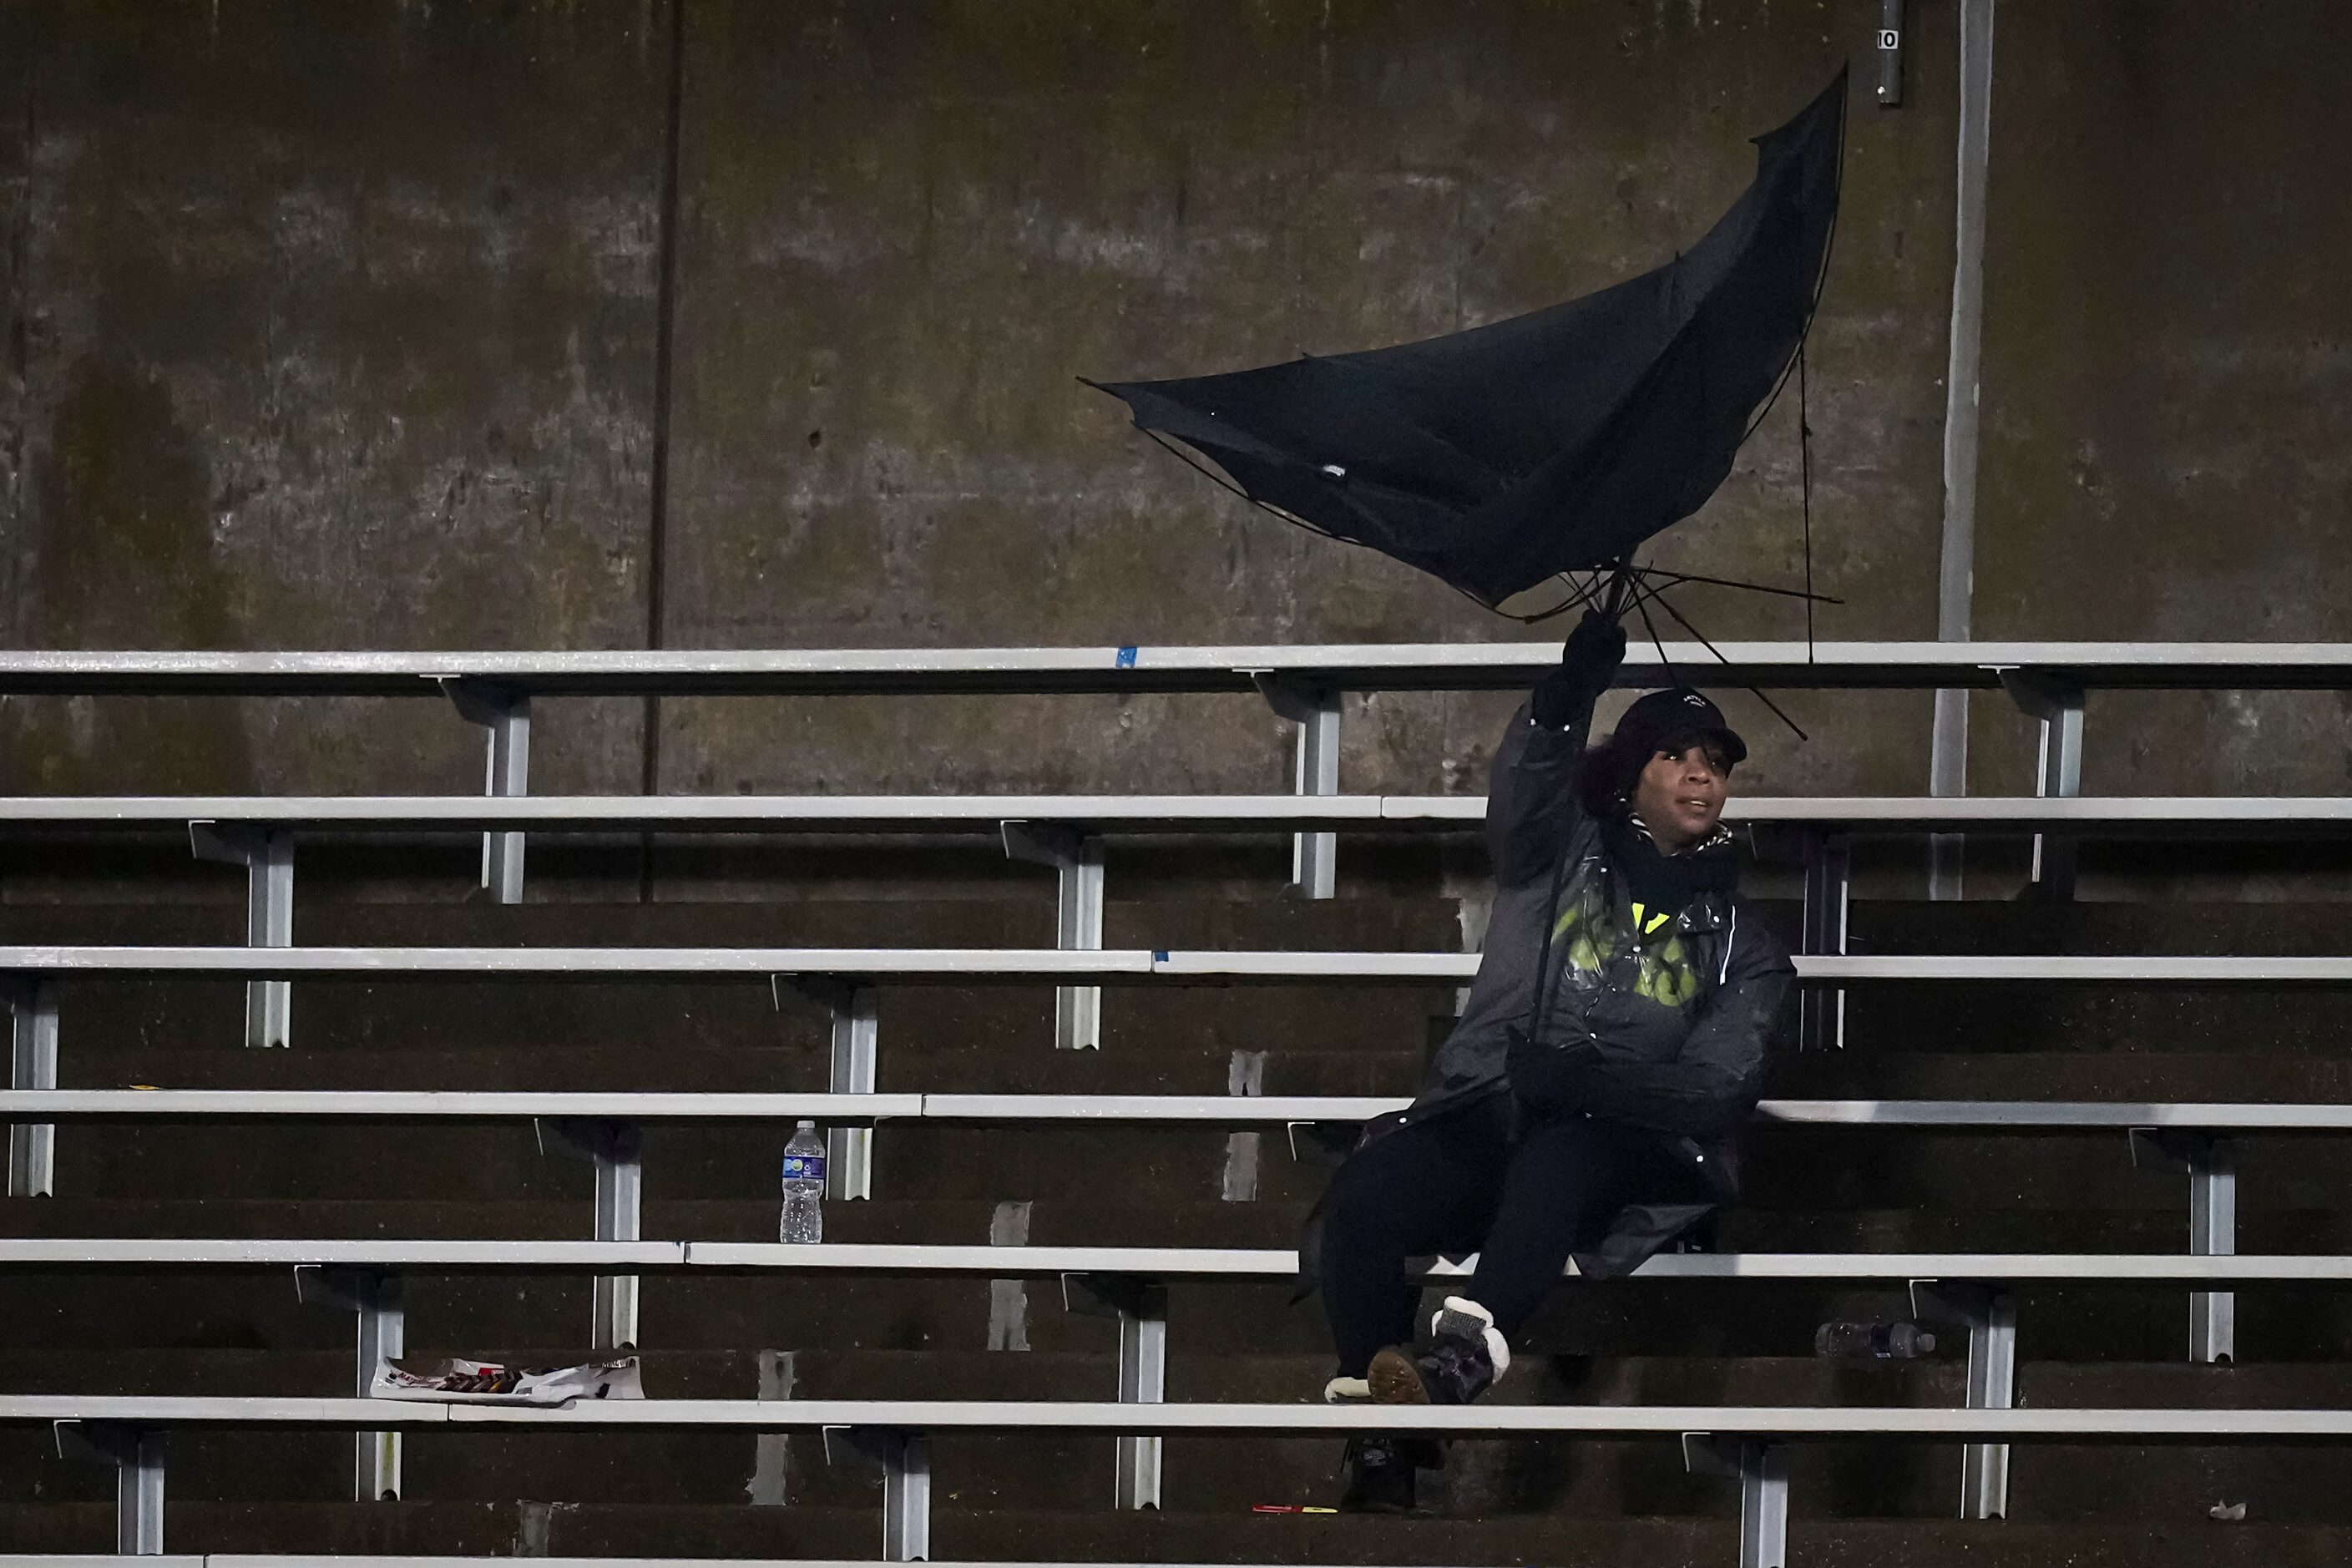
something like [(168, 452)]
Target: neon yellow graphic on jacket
[(1666, 974)]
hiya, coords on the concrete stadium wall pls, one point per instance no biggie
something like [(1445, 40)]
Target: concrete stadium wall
[(339, 326)]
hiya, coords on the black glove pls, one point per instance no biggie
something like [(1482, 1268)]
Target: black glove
[(1540, 1078), (1594, 650)]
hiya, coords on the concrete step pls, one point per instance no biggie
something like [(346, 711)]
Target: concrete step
[(797, 1059), (1790, 1166), (68, 1310), (77, 1515), (2177, 1536), (1019, 911), (1500, 1501), (1891, 1018), (912, 917), (2100, 927), (1127, 1218), (329, 1016), (208, 1015), (2116, 1070), (453, 1161), (67, 1313)]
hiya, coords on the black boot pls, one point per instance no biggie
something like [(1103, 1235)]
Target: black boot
[(1379, 1472), (1460, 1359)]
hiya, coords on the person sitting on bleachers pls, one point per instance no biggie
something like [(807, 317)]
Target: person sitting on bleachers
[(1589, 1100)]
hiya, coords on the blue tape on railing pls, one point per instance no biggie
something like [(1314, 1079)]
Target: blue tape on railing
[(1127, 659), (1159, 955)]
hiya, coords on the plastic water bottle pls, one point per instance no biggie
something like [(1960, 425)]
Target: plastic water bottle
[(804, 1218), (1874, 1342)]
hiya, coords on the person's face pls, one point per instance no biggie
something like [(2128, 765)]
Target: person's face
[(1680, 797)]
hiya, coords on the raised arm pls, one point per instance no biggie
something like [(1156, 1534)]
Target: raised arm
[(1531, 804)]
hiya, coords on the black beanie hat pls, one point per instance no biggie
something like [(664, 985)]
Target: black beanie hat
[(1678, 714)]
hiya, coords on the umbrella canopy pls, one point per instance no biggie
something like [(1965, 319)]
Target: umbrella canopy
[(1552, 442)]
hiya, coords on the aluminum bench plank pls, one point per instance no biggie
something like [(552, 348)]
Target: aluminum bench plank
[(616, 964), (1158, 1110), (2111, 816), (452, 1105), (2064, 1115), (1012, 964), (452, 1257), (1391, 667), (1212, 1263), (1951, 1425), (1948, 1424), (1831, 968), (1237, 1109), (2170, 969), (1155, 1263), (761, 813), (1137, 1110), (218, 1410), (372, 1559)]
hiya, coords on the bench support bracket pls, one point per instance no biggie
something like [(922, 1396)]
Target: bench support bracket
[(617, 1150), (138, 1459), (852, 1009), (1078, 920), (905, 1458), (1992, 1319), (267, 856), (2057, 702), (1313, 856), (1829, 862), (2212, 1172), (506, 714), (375, 1297), (1141, 1309), (1761, 1467), (32, 1064)]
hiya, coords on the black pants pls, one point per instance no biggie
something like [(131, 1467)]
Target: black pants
[(1458, 1185)]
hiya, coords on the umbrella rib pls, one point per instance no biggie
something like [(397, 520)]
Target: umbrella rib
[(1643, 591), (1224, 483), (1200, 468), (1820, 287), (1667, 605), (1675, 579), (1805, 471)]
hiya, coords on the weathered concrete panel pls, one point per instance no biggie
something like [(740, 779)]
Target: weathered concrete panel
[(2168, 386), (329, 327), (910, 229), (335, 327)]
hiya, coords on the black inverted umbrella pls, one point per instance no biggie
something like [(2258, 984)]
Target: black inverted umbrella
[(1550, 443)]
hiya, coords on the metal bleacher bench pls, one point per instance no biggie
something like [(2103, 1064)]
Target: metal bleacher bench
[(606, 1128), (1066, 832), (1131, 1282), (1745, 1441), (2049, 681), (840, 982), (1304, 683)]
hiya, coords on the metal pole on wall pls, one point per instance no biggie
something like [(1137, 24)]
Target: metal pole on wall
[(1948, 756)]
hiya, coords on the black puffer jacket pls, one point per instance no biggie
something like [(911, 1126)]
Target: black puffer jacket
[(1666, 1031)]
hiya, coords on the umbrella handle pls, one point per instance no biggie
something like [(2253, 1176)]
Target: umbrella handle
[(1621, 589)]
